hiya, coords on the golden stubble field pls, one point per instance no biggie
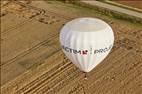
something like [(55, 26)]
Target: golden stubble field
[(32, 61), (132, 3)]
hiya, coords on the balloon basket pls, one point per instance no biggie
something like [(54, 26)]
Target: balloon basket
[(85, 76)]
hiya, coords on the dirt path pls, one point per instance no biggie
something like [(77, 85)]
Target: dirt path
[(114, 8)]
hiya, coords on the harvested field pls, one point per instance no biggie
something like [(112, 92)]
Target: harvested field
[(132, 3), (32, 61)]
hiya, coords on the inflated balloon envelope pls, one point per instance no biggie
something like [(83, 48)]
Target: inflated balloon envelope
[(86, 42)]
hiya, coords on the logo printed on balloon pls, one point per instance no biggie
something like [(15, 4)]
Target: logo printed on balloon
[(85, 52)]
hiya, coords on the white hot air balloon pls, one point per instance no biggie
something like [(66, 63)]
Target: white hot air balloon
[(86, 42)]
